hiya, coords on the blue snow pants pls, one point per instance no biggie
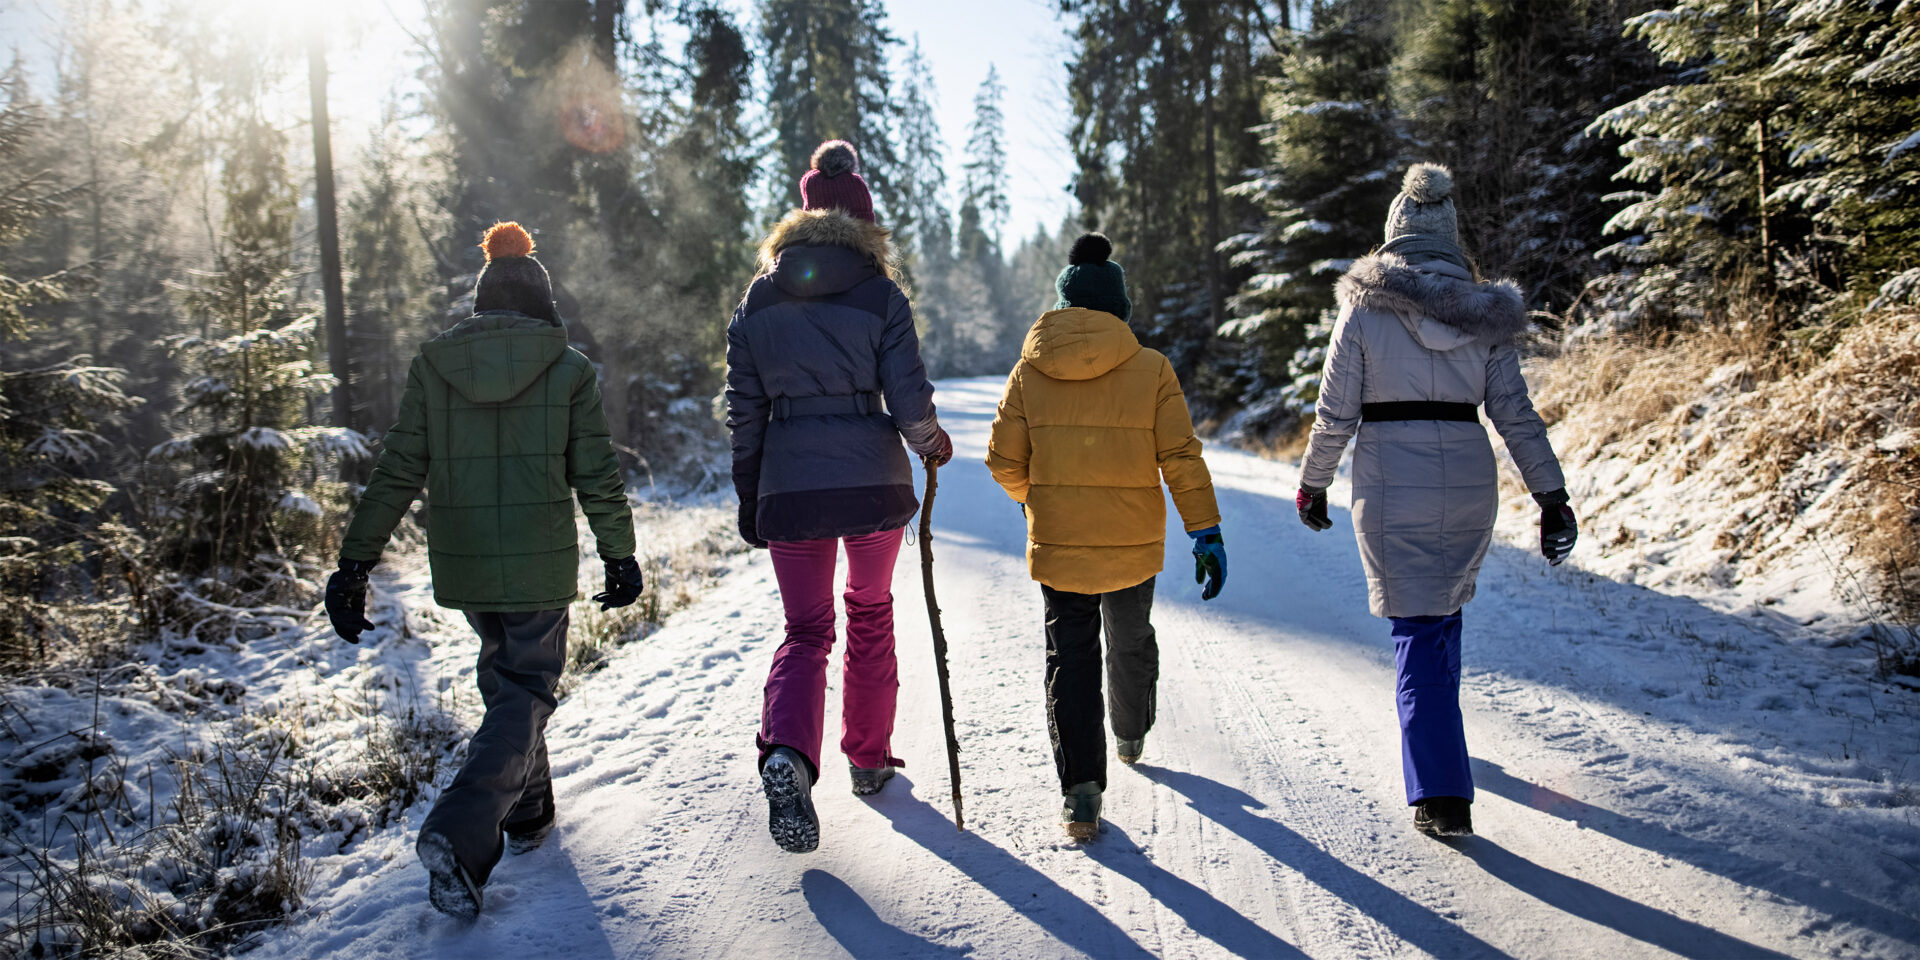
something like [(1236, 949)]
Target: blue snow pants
[(1433, 740)]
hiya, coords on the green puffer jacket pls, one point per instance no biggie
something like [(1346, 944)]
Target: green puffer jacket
[(501, 421)]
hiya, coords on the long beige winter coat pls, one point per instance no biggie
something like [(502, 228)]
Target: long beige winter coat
[(1424, 491)]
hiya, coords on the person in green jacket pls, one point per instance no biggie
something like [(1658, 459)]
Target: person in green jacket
[(502, 423)]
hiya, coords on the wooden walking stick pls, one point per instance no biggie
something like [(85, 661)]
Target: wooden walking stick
[(939, 643)]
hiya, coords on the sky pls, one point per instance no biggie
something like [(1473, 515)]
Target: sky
[(1025, 39), (1028, 43)]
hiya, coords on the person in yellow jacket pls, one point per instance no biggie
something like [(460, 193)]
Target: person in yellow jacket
[(1090, 425)]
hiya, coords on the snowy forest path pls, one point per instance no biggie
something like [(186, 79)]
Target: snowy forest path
[(1266, 818)]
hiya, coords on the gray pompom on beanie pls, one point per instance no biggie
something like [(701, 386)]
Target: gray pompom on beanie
[(1421, 224)]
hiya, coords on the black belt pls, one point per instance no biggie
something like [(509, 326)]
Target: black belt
[(1419, 410), (861, 404)]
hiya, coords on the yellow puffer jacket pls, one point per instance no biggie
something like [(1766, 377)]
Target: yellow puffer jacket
[(1090, 423)]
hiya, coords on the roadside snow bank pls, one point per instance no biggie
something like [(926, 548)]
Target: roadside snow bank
[(1713, 467), (190, 798)]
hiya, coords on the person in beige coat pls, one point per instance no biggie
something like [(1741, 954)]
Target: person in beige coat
[(1420, 347)]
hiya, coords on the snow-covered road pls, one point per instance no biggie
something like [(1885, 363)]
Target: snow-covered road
[(1656, 779)]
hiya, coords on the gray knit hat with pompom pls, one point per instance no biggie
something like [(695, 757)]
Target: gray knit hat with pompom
[(1421, 225)]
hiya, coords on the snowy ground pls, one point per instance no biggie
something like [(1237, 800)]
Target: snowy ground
[(1657, 778)]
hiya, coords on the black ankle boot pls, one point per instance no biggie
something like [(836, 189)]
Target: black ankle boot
[(1444, 817)]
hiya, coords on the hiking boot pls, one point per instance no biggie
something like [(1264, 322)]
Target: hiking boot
[(449, 888), (790, 817), (1129, 750), (868, 782), (1444, 817), (1081, 812), (527, 835)]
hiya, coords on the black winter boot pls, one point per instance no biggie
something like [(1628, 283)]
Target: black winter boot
[(450, 888), (1080, 814), (790, 816), (1444, 817), (868, 782), (527, 835)]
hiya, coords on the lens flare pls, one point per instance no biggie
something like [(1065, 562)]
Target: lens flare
[(592, 123)]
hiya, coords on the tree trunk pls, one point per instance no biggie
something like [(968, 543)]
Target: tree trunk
[(1216, 297), (329, 226), (606, 20)]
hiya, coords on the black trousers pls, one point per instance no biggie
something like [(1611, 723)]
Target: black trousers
[(505, 777), (1074, 707)]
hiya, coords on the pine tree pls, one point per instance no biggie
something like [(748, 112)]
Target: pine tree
[(1164, 100), (827, 78), (60, 555), (390, 305), (248, 503), (1331, 170), (986, 166), (984, 328), (1853, 165), (1708, 239), (1500, 91), (923, 226)]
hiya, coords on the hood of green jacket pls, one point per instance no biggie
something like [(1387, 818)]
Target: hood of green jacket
[(492, 357)]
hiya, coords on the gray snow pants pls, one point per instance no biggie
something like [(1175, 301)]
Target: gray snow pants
[(505, 778)]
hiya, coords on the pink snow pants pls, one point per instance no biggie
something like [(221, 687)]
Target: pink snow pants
[(796, 696)]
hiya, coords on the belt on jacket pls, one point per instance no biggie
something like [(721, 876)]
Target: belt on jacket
[(1419, 410), (861, 404)]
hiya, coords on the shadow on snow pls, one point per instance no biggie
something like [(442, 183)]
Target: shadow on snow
[(1234, 810)]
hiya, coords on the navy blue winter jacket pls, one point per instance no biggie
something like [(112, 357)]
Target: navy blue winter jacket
[(824, 379)]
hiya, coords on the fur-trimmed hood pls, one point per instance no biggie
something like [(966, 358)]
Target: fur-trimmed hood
[(830, 228), (1436, 294)]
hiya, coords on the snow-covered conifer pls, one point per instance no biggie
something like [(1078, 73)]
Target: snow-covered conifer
[(1331, 149), (246, 464)]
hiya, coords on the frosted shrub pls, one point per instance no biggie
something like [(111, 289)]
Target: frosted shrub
[(245, 492)]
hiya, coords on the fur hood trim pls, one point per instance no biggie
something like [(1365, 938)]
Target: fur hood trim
[(1489, 311), (830, 228)]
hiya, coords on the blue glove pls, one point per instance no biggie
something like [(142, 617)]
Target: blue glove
[(1209, 560)]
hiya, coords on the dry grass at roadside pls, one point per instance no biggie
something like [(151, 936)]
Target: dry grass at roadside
[(1820, 447)]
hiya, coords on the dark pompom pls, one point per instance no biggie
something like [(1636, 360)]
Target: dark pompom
[(1090, 248), (835, 157)]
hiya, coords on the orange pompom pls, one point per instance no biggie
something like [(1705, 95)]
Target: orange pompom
[(507, 239)]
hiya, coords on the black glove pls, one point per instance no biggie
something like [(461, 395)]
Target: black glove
[(347, 599), (750, 524), (1312, 503), (624, 584), (1557, 529)]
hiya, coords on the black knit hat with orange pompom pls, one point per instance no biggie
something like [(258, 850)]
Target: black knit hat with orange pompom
[(513, 279)]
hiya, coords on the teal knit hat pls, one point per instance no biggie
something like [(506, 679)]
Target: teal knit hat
[(1092, 281)]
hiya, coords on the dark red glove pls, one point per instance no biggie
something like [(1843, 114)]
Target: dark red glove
[(1312, 504), (942, 449)]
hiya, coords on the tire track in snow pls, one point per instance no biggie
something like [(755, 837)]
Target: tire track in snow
[(1320, 917)]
